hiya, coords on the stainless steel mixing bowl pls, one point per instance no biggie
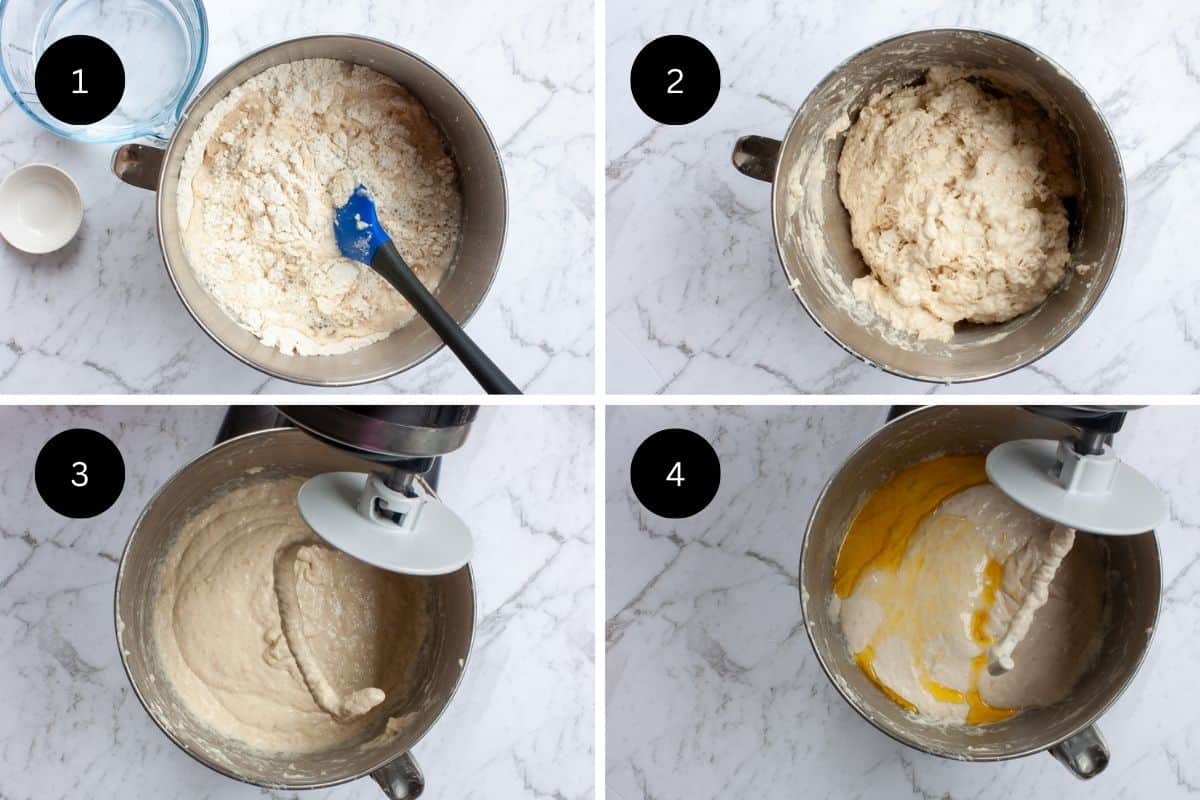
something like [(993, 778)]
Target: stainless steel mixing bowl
[(281, 452), (812, 227), (1066, 728), (485, 206)]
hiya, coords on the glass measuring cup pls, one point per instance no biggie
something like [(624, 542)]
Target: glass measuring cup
[(162, 45)]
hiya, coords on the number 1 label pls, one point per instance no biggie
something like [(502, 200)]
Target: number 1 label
[(79, 74)]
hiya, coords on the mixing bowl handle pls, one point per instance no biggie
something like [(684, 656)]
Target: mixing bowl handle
[(755, 156), (1085, 753), (400, 779), (138, 165)]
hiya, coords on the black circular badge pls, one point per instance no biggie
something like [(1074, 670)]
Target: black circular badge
[(79, 473), (675, 80), (675, 473), (79, 80)]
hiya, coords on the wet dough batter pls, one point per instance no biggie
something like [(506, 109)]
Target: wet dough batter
[(353, 632), (955, 194), (932, 572)]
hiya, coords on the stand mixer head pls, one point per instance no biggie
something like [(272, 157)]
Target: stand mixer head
[(390, 518)]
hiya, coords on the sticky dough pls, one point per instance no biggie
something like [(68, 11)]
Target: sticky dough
[(919, 619), (955, 194), (320, 674)]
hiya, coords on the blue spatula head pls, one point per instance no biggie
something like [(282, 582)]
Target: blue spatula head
[(357, 228)]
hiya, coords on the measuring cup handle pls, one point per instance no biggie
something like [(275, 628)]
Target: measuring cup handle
[(1085, 753), (138, 165), (755, 156), (400, 779)]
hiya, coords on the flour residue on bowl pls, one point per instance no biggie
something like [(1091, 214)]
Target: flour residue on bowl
[(259, 183), (808, 180)]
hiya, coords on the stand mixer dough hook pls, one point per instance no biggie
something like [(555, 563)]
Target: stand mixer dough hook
[(1079, 484)]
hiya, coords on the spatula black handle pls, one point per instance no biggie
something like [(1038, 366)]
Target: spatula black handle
[(388, 263)]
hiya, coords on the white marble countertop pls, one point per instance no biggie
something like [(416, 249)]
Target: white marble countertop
[(101, 316), (697, 302), (521, 724), (714, 691)]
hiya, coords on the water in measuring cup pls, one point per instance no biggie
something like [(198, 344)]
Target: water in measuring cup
[(152, 41)]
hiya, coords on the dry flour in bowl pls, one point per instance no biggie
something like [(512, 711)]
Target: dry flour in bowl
[(258, 187)]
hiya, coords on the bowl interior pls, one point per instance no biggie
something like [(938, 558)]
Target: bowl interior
[(40, 208), (813, 227), (463, 287), (265, 454), (1132, 594)]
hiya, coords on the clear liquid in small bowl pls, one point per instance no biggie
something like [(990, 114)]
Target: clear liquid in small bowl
[(151, 38)]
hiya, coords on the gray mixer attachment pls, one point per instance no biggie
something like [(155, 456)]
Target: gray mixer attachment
[(1078, 482), (389, 518)]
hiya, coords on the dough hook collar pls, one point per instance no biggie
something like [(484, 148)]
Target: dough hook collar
[(402, 527), (1094, 492)]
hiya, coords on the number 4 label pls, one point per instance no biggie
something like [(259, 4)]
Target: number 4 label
[(676, 474)]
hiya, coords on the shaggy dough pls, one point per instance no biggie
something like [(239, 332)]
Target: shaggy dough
[(354, 631), (920, 620), (261, 177), (955, 194)]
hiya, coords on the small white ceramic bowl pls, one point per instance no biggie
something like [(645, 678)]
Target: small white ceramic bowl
[(40, 208)]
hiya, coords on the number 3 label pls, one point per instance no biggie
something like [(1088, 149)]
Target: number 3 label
[(63, 473)]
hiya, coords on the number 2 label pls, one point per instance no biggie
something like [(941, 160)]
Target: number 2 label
[(673, 88), (676, 474)]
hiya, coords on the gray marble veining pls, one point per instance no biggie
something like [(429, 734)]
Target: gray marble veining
[(697, 302), (713, 689), (521, 724), (101, 315)]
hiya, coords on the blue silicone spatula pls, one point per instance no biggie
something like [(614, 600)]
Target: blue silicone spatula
[(361, 237)]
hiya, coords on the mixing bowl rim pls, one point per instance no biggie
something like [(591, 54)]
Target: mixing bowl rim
[(1018, 752), (388, 372), (120, 626), (778, 218), (189, 86)]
